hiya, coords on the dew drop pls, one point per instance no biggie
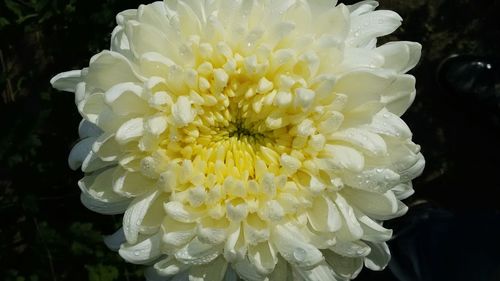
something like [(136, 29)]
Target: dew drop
[(299, 254), (137, 253), (379, 170)]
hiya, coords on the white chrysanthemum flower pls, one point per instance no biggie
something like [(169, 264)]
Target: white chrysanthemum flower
[(251, 138)]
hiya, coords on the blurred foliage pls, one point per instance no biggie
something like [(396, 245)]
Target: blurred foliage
[(46, 234)]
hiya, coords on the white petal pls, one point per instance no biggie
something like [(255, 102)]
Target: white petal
[(333, 21), (91, 106), (120, 42), (126, 98), (98, 196), (155, 215), (342, 157), (263, 256), (247, 271), (400, 56), (351, 249), (197, 253), (144, 251), (344, 267), (182, 112), (403, 190), (379, 256), (351, 229), (107, 69), (80, 92), (324, 216), (135, 214), (93, 163), (371, 143), (362, 114), (370, 25), (320, 240), (177, 234), (293, 247), (126, 15), (413, 171), (114, 240), (181, 212), (355, 58), (170, 267), (236, 209), (79, 152), (362, 7), (371, 203), (88, 129), (322, 272), (372, 230), (281, 271), (374, 180), (154, 14), (131, 184), (235, 247), (213, 271), (106, 147), (130, 130), (145, 38), (300, 14), (156, 124), (403, 155), (67, 81), (212, 231), (387, 123), (154, 64), (362, 86), (400, 95)]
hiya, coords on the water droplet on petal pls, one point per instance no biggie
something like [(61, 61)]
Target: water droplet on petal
[(299, 254)]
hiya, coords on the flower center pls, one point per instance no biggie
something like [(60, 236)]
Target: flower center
[(244, 129), (239, 130)]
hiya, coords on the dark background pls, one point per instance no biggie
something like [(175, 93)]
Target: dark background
[(46, 234)]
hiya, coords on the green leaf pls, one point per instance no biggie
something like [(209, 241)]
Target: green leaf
[(14, 7), (102, 272), (26, 17), (3, 22)]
